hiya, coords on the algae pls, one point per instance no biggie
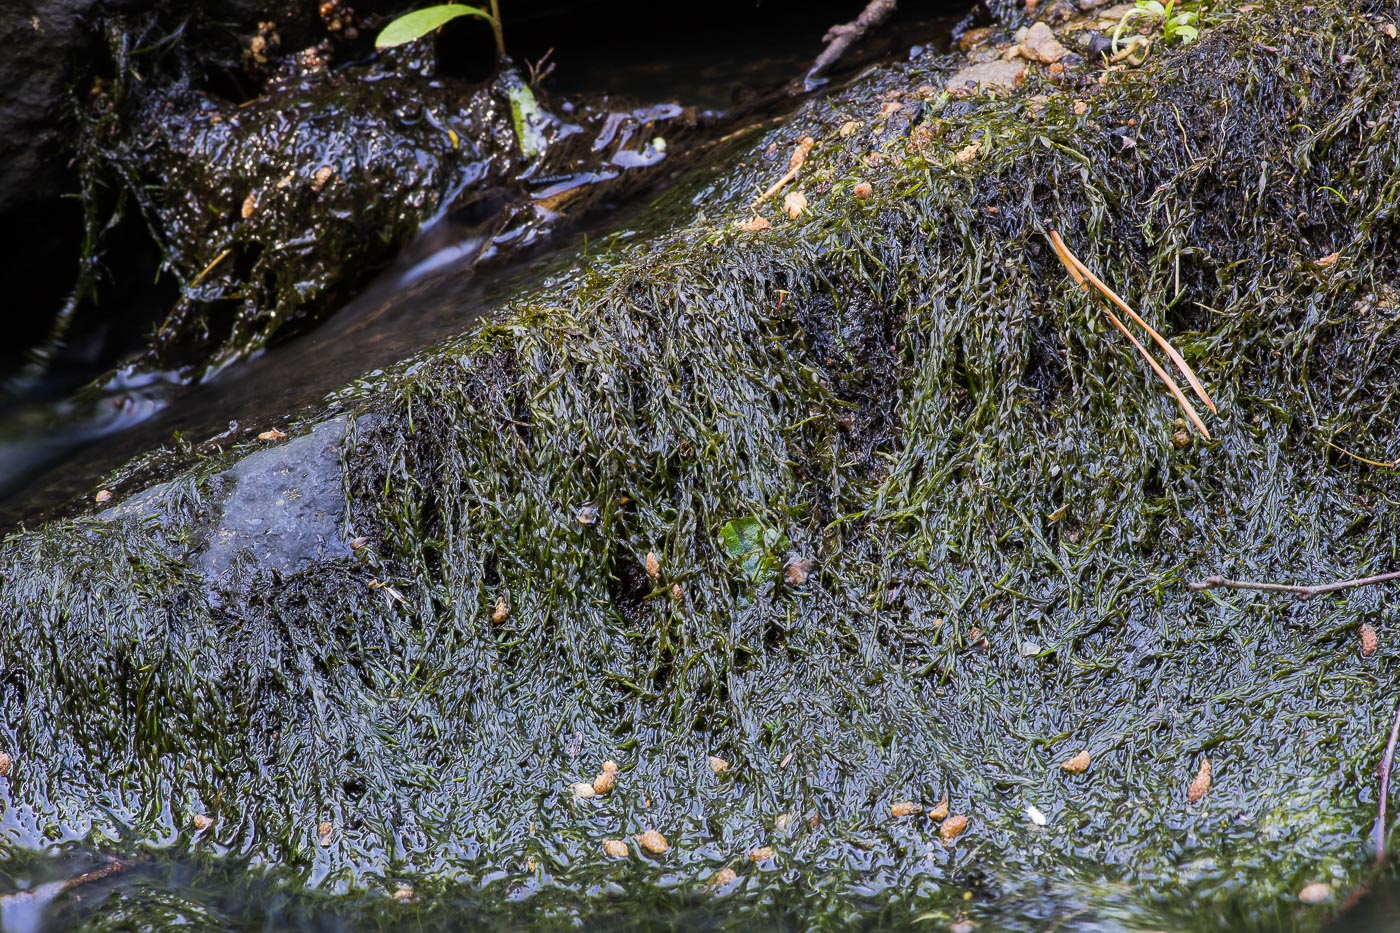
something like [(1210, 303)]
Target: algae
[(910, 392)]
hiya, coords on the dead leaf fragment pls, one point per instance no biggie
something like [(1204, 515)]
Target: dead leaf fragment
[(940, 811), (502, 611), (324, 832), (653, 565), (1078, 764), (323, 175), (967, 153), (6, 762), (583, 790), (863, 190), (604, 782), (616, 848), (722, 877), (1316, 893), (250, 205), (952, 827), (1200, 783), (753, 224), (273, 435), (761, 854), (975, 38), (718, 764), (1326, 262), (103, 496), (794, 202), (653, 842), (994, 76), (904, 808), (1390, 31), (201, 822), (796, 572), (609, 766), (848, 128), (1369, 641)]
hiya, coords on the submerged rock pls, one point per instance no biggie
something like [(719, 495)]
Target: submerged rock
[(909, 390)]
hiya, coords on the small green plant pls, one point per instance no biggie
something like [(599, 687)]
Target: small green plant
[(525, 109), (1182, 26), (756, 548), (419, 23)]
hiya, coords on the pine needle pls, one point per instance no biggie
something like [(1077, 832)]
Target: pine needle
[(1084, 278)]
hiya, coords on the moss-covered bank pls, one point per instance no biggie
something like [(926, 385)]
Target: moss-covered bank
[(907, 392)]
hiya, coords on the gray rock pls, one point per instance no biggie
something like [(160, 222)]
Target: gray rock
[(277, 508), (282, 506), (989, 76)]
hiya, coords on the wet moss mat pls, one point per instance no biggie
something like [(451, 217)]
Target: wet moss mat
[(921, 525)]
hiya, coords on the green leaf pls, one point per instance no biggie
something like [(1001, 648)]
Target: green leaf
[(419, 23), (1187, 33), (1153, 7), (754, 547)]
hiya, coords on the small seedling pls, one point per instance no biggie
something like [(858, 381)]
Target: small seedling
[(1182, 26), (419, 23), (524, 108)]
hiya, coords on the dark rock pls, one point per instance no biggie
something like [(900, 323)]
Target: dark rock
[(40, 40)]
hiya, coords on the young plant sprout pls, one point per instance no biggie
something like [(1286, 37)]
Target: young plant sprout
[(419, 23)]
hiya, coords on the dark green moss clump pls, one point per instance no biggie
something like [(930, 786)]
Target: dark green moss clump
[(908, 393)]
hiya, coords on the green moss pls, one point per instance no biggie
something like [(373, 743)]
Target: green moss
[(910, 392)]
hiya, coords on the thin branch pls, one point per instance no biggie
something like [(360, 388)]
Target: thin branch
[(799, 156), (840, 38), (1302, 592), (45, 894), (1386, 762)]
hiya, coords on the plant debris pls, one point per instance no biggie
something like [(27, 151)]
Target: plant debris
[(953, 827), (1200, 784)]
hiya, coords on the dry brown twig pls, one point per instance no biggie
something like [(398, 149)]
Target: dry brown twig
[(1084, 278), (799, 156), (839, 38), (1302, 592), (43, 895), (1386, 762)]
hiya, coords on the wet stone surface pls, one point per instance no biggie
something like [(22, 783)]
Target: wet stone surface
[(272, 510)]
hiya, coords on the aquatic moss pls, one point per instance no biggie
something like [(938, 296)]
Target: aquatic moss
[(986, 480)]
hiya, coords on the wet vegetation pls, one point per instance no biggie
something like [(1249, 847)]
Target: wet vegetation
[(871, 504)]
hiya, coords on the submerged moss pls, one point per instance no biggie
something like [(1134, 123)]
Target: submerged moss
[(912, 395)]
